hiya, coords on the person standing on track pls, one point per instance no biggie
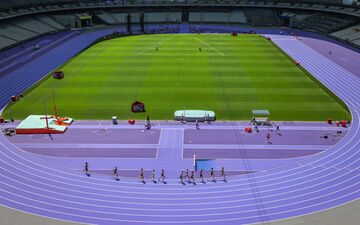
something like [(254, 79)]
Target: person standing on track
[(197, 125), (142, 175), (115, 172), (162, 176), (86, 168), (268, 138)]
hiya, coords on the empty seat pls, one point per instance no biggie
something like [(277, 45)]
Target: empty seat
[(15, 33), (237, 16), (175, 17), (33, 25), (215, 17), (51, 22), (105, 17), (194, 17), (155, 17), (4, 42), (120, 17)]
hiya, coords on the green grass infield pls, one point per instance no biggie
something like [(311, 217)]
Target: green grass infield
[(230, 76)]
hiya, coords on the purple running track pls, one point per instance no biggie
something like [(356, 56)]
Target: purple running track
[(147, 173), (93, 136), (284, 137), (247, 153), (95, 152), (339, 55)]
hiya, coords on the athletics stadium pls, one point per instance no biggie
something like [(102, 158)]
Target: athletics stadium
[(180, 112)]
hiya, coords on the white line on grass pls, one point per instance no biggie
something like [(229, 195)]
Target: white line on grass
[(175, 54), (208, 45), (147, 49)]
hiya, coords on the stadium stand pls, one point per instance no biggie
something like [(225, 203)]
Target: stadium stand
[(333, 7), (349, 34), (65, 20), (268, 17), (174, 17), (155, 17), (34, 25), (4, 41), (317, 22), (194, 17), (120, 17), (50, 22), (215, 17), (237, 16), (135, 17), (113, 18), (106, 17), (357, 42), (26, 19), (27, 54), (16, 33)]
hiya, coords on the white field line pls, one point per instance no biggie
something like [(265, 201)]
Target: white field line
[(209, 45), (179, 49), (175, 54), (152, 46)]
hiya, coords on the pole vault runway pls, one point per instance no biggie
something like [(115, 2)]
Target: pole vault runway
[(317, 182)]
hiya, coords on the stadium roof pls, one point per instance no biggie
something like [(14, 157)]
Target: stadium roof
[(22, 3)]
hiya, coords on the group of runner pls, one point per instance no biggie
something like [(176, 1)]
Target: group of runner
[(191, 178), (184, 175), (152, 177)]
